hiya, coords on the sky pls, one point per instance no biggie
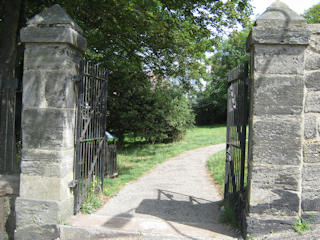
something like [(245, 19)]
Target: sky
[(299, 6)]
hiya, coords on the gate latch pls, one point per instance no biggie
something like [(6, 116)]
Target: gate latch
[(73, 184)]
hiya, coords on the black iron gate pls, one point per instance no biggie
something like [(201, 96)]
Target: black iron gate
[(237, 120), (90, 136), (10, 127)]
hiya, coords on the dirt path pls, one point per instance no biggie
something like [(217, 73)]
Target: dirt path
[(176, 200)]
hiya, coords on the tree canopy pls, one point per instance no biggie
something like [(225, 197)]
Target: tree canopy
[(211, 103), (136, 39), (312, 14)]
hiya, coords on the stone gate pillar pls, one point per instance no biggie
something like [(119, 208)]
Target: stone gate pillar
[(53, 49), (278, 44)]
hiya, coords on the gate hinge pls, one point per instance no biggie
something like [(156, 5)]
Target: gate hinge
[(73, 184)]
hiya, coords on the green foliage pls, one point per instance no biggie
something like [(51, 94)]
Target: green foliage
[(312, 15), (92, 200), (303, 225), (211, 104), (91, 203), (134, 39), (167, 115), (158, 113)]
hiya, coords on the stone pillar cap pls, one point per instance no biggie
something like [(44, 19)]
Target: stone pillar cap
[(53, 16), (53, 25), (278, 14)]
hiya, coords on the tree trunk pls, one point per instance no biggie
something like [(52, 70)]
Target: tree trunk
[(8, 81)]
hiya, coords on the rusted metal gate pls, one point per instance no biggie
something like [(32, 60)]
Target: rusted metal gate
[(90, 135), (237, 120)]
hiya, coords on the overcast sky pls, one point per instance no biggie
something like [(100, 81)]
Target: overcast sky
[(298, 6)]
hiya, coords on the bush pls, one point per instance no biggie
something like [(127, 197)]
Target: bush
[(155, 112), (167, 115)]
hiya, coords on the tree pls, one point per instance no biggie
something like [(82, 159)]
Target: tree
[(133, 38), (312, 15), (211, 104)]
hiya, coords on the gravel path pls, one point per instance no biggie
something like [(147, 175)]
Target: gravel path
[(175, 200)]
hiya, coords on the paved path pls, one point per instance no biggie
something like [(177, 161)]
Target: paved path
[(176, 200)]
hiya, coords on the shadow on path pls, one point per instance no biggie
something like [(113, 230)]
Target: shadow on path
[(176, 209)]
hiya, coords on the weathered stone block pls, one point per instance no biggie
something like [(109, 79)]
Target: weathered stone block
[(276, 202), (45, 188), (47, 163), (277, 141), (310, 126), (49, 89), (314, 28), (313, 80), (36, 213), (312, 152), (312, 102), (277, 95), (311, 175), (311, 200), (315, 216), (280, 34), (276, 59), (71, 233), (260, 226), (53, 35), (51, 57), (312, 61), (275, 177), (53, 16), (44, 232), (48, 128)]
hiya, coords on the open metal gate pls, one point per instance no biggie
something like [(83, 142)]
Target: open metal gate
[(90, 135), (237, 120)]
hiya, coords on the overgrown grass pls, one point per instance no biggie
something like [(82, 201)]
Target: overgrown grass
[(137, 159)]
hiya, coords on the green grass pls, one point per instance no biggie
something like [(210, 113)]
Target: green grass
[(216, 166), (137, 159)]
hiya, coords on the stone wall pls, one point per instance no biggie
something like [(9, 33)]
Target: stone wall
[(284, 163), (53, 50), (311, 146)]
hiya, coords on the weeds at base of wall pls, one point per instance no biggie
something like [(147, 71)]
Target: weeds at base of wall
[(303, 225), (91, 203)]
